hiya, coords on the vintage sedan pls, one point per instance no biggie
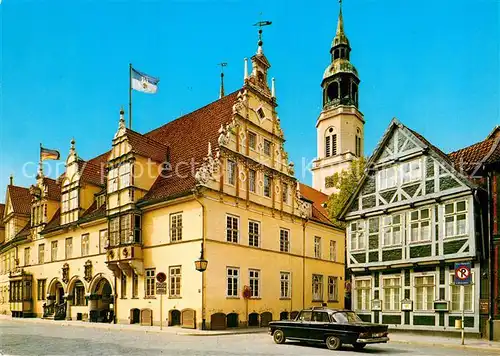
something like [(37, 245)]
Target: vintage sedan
[(329, 326)]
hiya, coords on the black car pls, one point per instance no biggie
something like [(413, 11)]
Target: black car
[(329, 326)]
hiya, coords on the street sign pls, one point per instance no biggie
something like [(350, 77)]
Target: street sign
[(161, 277), (161, 288), (463, 275)]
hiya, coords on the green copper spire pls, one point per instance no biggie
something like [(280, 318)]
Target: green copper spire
[(340, 37)]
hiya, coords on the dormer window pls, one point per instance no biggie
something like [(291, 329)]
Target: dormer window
[(124, 171), (261, 113), (119, 177)]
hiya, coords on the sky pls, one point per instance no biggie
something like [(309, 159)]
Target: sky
[(64, 68)]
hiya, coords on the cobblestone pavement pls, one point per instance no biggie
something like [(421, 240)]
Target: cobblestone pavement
[(18, 338)]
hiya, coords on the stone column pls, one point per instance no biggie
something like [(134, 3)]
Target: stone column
[(69, 303)]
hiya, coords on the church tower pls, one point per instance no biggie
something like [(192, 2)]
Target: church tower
[(340, 125)]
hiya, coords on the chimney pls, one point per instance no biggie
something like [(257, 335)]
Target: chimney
[(11, 179)]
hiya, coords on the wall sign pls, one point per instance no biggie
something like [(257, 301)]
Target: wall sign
[(376, 304), (407, 304)]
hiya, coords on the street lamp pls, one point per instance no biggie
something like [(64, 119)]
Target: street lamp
[(201, 265)]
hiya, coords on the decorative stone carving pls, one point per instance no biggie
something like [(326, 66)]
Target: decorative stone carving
[(209, 167), (88, 271), (291, 168), (302, 206), (225, 132), (65, 273)]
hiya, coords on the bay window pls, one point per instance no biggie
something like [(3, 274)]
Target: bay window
[(113, 180), (125, 229), (124, 172), (455, 219)]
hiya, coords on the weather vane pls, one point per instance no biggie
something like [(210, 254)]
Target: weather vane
[(262, 24)]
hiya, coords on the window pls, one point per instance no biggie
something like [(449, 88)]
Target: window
[(317, 247), (284, 240), (251, 180), (53, 251), (65, 202), (267, 147), (150, 282), (411, 171), (358, 145), (253, 233), (175, 281), (391, 230), (69, 247), (455, 219), (233, 281), (252, 140), (305, 315), (267, 186), (328, 146), (176, 227), (231, 172), (135, 285), (113, 180), (254, 278), (456, 296), (73, 199), (123, 286), (137, 228), (321, 317), (232, 228), (124, 171), (334, 145), (85, 245), (285, 193), (357, 235), (125, 235), (424, 292), (285, 285), (103, 240), (79, 294), (40, 295), (330, 143), (333, 289), (420, 225), (260, 111), (41, 253), (114, 231), (333, 250), (27, 258), (387, 178), (362, 292), (392, 293), (317, 287)]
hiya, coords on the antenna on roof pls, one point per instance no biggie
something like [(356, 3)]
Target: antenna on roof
[(221, 92)]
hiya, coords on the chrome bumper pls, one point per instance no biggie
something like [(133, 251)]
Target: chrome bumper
[(372, 340)]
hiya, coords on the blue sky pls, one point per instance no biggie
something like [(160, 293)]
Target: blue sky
[(64, 67)]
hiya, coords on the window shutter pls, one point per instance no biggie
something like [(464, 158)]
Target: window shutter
[(327, 146)]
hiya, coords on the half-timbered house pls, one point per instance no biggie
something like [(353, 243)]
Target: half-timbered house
[(411, 218)]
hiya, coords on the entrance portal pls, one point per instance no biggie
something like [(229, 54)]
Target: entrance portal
[(101, 302)]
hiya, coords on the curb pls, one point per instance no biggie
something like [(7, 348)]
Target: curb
[(462, 347)]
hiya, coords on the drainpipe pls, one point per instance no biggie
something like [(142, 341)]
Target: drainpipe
[(304, 223), (115, 302), (490, 255), (203, 246)]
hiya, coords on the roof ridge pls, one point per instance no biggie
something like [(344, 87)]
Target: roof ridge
[(474, 144)]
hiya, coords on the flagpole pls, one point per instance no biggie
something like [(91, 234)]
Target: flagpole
[(130, 96)]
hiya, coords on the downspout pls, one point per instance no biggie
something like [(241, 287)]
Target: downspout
[(304, 223), (116, 302), (203, 246)]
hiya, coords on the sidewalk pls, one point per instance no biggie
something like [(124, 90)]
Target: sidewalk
[(395, 337)]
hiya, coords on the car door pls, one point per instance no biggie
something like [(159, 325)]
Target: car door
[(300, 328), (318, 325)]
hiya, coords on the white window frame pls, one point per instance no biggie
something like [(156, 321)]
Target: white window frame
[(411, 171), (333, 250), (394, 300), (65, 202), (267, 184), (454, 215), (357, 235), (73, 199), (113, 180), (175, 280), (387, 178), (284, 240), (231, 172), (389, 229), (366, 294), (41, 254), (53, 250), (317, 281), (415, 220), (124, 175), (176, 227), (230, 230), (425, 307), (68, 247), (150, 283), (253, 236), (461, 295), (285, 284), (317, 247), (85, 243), (333, 282), (233, 280), (254, 283)]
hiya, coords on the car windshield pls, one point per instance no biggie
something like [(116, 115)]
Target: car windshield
[(346, 317)]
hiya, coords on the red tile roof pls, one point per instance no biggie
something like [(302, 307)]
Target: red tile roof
[(91, 173), (54, 188), (2, 209), (188, 138), (470, 159), (318, 198), (146, 146), (20, 199), (54, 223)]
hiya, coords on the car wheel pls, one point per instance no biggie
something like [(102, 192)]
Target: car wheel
[(279, 337), (333, 343), (358, 346)]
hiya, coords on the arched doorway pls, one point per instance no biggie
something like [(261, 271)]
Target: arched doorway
[(232, 320), (266, 318), (135, 316), (218, 321), (253, 319), (175, 317), (55, 306), (101, 301), (284, 315)]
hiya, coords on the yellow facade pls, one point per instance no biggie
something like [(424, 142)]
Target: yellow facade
[(119, 220)]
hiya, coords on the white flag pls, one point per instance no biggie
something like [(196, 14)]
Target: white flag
[(143, 82)]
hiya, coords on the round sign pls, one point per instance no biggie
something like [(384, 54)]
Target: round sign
[(462, 272), (161, 277)]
